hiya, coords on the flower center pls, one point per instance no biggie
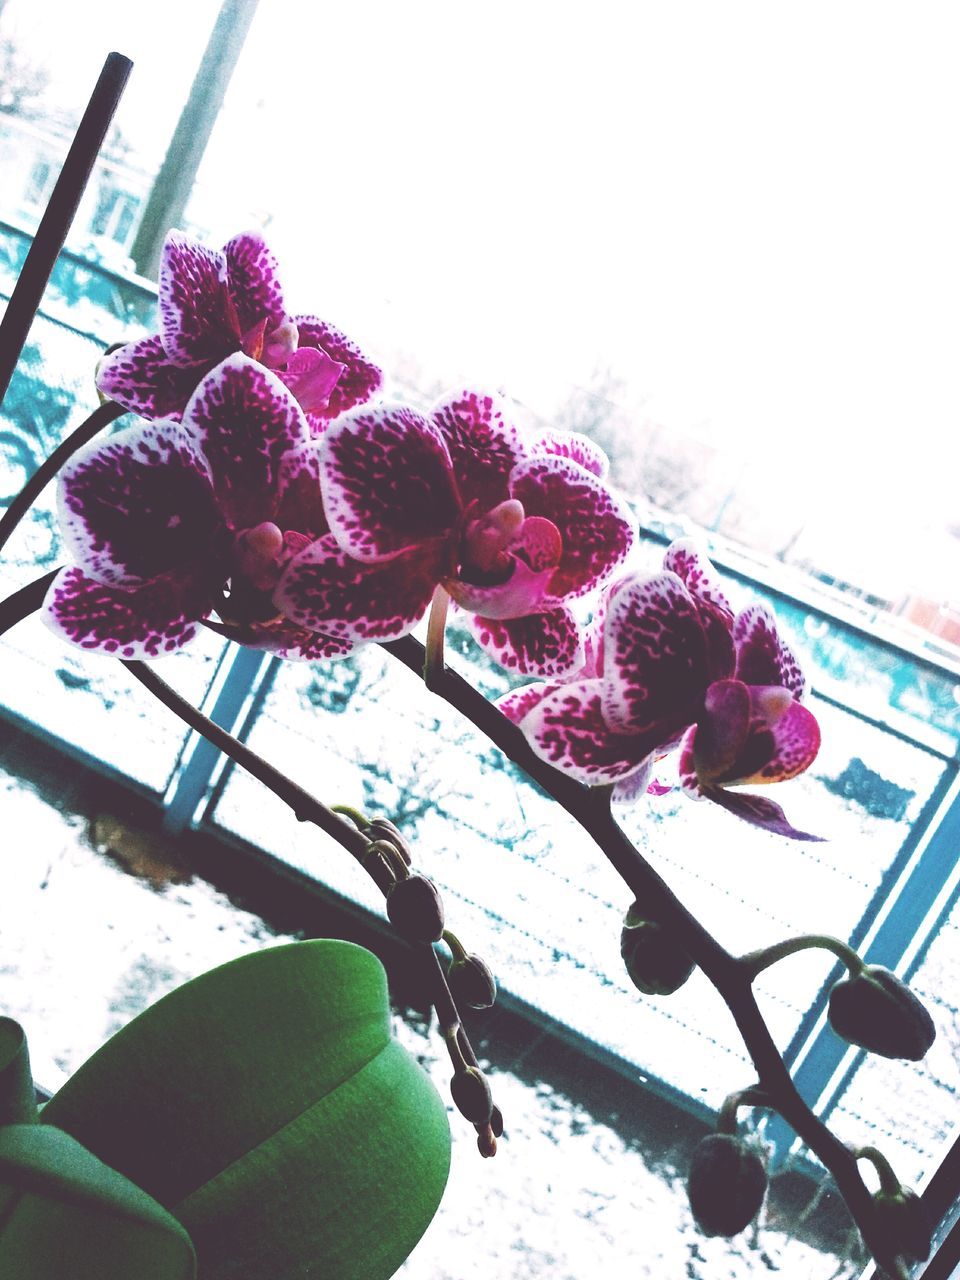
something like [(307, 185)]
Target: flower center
[(484, 555)]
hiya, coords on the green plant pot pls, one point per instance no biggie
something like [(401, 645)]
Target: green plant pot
[(266, 1105)]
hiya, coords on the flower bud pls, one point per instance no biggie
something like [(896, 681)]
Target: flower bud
[(472, 984), (878, 1012), (471, 1095), (906, 1222), (384, 829), (727, 1184), (657, 966), (487, 1143), (496, 1122), (415, 910)]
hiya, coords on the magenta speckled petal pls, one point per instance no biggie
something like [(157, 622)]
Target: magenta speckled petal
[(759, 812), (143, 378), (325, 590), (244, 420), (146, 623), (387, 482), (781, 738), (762, 657), (285, 639), (137, 504), (628, 790), (300, 504), (697, 574), (360, 379), (549, 645), (311, 376), (254, 281), (198, 322), (654, 655), (484, 445), (686, 765), (597, 528), (578, 448), (520, 702), (566, 728)]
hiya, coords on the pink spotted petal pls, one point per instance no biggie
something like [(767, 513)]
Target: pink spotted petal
[(311, 376), (253, 281), (548, 645), (697, 574), (141, 624), (198, 322), (285, 639), (387, 482), (142, 378), (361, 378), (244, 421), (300, 505), (687, 767), (782, 738), (723, 731), (483, 443), (137, 505), (628, 790), (762, 657), (519, 702), (578, 448), (655, 655), (597, 528), (325, 590), (567, 729), (759, 812)]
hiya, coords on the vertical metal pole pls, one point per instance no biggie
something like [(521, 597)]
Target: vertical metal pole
[(59, 213)]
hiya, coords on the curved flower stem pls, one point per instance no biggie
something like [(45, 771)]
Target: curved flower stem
[(751, 1097), (28, 495), (730, 976), (436, 627), (755, 962), (889, 1182)]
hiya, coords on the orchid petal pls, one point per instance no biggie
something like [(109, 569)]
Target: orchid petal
[(139, 624), (253, 281), (535, 552), (483, 444), (762, 657), (759, 812), (753, 734), (300, 504), (141, 377), (361, 378), (655, 669), (697, 574), (687, 768), (597, 528), (325, 590), (567, 729), (137, 505), (198, 322), (629, 789), (245, 420), (578, 448), (311, 376), (518, 702), (387, 482), (285, 639), (548, 644), (722, 731)]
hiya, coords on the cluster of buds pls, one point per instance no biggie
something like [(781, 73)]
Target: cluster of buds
[(415, 909)]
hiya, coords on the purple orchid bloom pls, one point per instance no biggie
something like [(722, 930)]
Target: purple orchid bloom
[(170, 521), (669, 666), (511, 525), (214, 303)]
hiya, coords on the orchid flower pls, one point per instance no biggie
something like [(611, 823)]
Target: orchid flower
[(170, 521), (214, 303), (669, 666), (512, 526)]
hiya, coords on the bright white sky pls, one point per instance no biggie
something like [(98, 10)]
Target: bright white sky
[(749, 210)]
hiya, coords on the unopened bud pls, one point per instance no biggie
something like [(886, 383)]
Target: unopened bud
[(384, 829), (496, 1122), (472, 983), (487, 1143), (415, 910), (656, 964), (471, 1094), (906, 1222), (727, 1184), (878, 1012)]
